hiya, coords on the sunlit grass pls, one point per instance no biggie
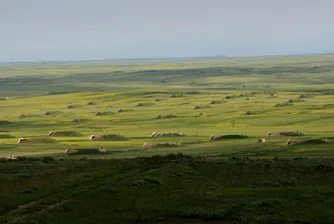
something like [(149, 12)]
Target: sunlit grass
[(211, 79)]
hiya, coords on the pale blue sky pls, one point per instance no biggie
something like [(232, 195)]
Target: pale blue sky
[(34, 30)]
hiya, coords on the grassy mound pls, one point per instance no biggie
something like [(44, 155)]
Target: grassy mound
[(283, 104), (166, 116), (4, 122), (250, 113), (226, 137), (318, 141), (88, 151), (114, 137), (328, 106), (299, 100), (52, 113), (6, 136), (65, 134), (39, 140), (148, 145), (202, 107), (193, 92), (167, 134), (176, 96), (103, 113), (288, 133), (234, 136), (166, 144), (311, 141), (144, 104), (126, 110)]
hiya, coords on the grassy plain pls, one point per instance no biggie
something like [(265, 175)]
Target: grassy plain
[(35, 89), (216, 185)]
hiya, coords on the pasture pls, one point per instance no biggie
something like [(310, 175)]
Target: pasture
[(183, 177), (170, 89)]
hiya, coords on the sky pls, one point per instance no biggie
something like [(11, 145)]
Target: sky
[(53, 30)]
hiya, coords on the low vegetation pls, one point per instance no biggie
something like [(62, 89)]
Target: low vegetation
[(167, 189), (255, 135)]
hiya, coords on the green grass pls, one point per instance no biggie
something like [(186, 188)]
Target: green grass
[(235, 180), (161, 190), (114, 137), (196, 82)]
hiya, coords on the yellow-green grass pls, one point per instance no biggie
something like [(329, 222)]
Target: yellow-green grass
[(143, 82)]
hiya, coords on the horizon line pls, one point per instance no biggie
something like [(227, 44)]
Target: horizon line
[(162, 58)]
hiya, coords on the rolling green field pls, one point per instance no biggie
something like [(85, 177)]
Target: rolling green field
[(34, 89), (233, 180)]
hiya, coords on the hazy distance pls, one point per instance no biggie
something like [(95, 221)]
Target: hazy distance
[(42, 30)]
